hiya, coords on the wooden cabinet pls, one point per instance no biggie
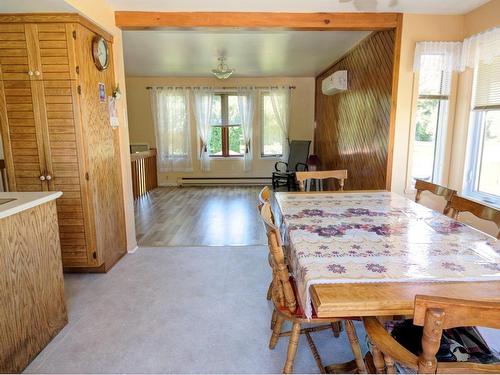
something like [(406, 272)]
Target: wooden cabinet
[(57, 135)]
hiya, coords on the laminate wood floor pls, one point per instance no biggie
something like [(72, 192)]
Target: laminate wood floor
[(199, 216)]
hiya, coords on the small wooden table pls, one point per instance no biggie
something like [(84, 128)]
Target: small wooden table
[(346, 231)]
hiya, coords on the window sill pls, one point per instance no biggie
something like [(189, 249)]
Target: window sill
[(232, 157)]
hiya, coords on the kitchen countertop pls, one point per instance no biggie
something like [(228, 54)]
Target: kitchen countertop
[(23, 201)]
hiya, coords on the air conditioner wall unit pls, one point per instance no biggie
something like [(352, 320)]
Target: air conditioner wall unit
[(335, 83)]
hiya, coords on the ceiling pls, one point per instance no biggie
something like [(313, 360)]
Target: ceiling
[(405, 6), (250, 53), (34, 6)]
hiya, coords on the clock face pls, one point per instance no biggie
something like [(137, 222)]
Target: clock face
[(100, 52)]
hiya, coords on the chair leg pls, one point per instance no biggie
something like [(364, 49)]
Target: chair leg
[(356, 350), (292, 348), (273, 319), (315, 353), (337, 328), (389, 364), (276, 332), (269, 291), (378, 360)]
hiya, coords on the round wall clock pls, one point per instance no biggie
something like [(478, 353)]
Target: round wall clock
[(100, 52)]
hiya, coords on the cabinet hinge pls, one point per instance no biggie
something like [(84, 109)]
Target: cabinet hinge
[(77, 69), (79, 90), (87, 176), (74, 34), (94, 255)]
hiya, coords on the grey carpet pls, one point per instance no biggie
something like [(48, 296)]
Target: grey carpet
[(178, 310)]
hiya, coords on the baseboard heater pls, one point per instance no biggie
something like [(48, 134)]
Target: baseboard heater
[(205, 181)]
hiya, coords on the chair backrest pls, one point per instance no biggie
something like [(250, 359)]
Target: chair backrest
[(264, 196), (442, 191), (339, 175), (460, 204), (282, 290), (298, 154), (436, 314)]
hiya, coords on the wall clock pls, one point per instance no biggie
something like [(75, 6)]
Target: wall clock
[(100, 52)]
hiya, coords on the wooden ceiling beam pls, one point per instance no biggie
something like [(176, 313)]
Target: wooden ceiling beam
[(128, 20)]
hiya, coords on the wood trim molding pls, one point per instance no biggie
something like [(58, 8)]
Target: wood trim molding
[(54, 18), (394, 100), (130, 20)]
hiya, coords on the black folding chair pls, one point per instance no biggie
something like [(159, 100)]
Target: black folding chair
[(284, 174)]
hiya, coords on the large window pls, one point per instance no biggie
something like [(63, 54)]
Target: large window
[(272, 137), (482, 176), (431, 121), (226, 132)]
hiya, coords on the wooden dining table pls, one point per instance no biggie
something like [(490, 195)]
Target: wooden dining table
[(369, 253)]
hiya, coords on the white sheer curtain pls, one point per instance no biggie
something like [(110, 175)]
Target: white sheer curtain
[(483, 47), (171, 119), (203, 112), (437, 56), (246, 107), (280, 99)]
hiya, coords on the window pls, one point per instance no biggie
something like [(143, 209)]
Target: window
[(431, 122), (170, 115), (226, 133), (482, 177), (272, 138)]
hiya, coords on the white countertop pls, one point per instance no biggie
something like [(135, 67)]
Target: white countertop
[(24, 201)]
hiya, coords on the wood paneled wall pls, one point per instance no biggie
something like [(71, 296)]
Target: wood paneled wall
[(352, 127)]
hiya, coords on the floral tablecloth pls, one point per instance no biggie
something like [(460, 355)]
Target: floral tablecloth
[(379, 237)]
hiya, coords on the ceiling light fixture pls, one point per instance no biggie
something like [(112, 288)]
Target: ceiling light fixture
[(222, 71)]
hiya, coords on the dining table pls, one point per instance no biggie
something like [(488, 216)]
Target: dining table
[(369, 253)]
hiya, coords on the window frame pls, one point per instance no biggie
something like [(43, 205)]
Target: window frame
[(225, 127), (444, 134), (475, 141), (262, 124)]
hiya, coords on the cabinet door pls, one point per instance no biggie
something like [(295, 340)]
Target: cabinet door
[(22, 137), (13, 53), (56, 48), (66, 171), (37, 51)]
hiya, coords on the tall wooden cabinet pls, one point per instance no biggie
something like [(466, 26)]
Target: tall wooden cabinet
[(56, 132)]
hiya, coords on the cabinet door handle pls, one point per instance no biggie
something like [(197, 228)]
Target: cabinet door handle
[(48, 177), (42, 178), (30, 73), (37, 73)]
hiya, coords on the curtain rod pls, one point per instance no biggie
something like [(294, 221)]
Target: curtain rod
[(222, 87)]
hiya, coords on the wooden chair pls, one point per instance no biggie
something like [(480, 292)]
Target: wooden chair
[(339, 175), (421, 185), (435, 314), (264, 196), (460, 204), (286, 308)]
